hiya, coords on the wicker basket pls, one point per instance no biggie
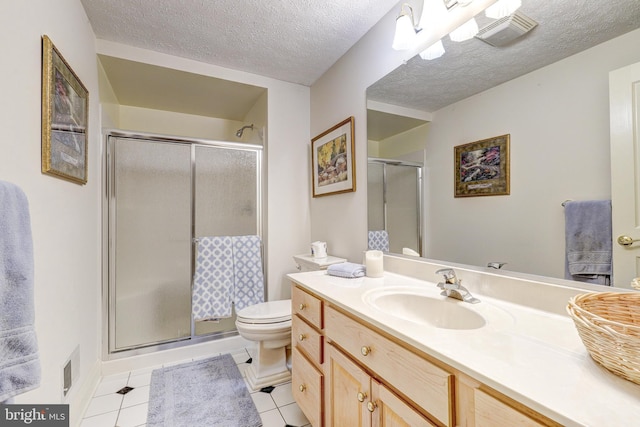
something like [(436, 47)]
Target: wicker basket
[(609, 325)]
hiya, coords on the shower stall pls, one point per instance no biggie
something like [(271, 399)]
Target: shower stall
[(394, 195), (162, 194)]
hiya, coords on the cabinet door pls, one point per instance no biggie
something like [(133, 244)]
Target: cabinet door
[(347, 391), (390, 411), (306, 386)]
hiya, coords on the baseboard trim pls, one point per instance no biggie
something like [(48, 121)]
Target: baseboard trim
[(80, 398)]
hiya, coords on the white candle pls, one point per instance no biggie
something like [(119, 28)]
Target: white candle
[(373, 263)]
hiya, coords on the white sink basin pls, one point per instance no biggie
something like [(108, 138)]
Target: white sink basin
[(424, 308)]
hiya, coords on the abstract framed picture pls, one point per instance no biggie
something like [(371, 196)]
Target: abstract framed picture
[(333, 167), (65, 109), (482, 167)]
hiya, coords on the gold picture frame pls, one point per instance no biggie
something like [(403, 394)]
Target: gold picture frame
[(333, 164), (482, 167), (65, 112)]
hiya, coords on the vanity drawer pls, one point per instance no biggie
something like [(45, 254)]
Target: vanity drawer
[(307, 306), (491, 412), (308, 339), (307, 387), (426, 384)]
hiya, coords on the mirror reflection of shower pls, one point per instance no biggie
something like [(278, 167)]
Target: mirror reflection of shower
[(394, 195), (241, 130)]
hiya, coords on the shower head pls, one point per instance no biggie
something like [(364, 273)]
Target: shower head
[(241, 130)]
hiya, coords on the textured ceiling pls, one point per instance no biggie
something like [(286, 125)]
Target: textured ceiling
[(295, 41), (565, 27), (298, 41)]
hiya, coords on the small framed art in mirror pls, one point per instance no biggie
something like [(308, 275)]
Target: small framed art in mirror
[(333, 166), (65, 104), (482, 167)]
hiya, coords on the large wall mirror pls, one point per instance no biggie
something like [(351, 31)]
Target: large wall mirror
[(548, 90)]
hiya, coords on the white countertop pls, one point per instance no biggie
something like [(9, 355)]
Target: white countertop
[(533, 356)]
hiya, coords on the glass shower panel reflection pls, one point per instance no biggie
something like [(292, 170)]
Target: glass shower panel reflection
[(395, 202), (152, 287), (375, 196), (402, 209), (226, 203)]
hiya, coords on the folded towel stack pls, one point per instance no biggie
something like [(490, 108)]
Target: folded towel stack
[(349, 270)]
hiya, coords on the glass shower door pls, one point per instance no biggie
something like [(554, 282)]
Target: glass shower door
[(151, 215), (226, 204)]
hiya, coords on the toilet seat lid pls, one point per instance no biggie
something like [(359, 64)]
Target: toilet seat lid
[(266, 312)]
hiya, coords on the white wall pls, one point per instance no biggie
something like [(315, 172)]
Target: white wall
[(558, 119), (172, 123), (65, 217), (288, 217), (340, 220)]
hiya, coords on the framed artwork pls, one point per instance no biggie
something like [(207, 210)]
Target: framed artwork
[(65, 109), (333, 166), (482, 167)]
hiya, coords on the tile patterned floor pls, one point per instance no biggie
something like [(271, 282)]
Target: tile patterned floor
[(110, 409)]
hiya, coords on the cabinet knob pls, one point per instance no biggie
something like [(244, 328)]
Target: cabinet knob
[(371, 406), (302, 388), (365, 350), (361, 396), (302, 337), (302, 306)]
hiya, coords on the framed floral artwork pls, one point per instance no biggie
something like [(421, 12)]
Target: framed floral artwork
[(333, 167)]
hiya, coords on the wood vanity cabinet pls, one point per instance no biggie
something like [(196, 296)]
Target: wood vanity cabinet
[(355, 398), (348, 373), (307, 342), (381, 371)]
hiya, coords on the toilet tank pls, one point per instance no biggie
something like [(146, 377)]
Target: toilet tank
[(307, 262)]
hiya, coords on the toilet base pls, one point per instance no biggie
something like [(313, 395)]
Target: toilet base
[(269, 368)]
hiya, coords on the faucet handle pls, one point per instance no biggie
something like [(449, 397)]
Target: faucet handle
[(495, 264), (449, 275)]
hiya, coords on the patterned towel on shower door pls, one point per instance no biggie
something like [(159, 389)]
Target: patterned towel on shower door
[(247, 266), (213, 280)]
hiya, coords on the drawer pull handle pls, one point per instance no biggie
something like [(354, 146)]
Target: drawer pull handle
[(362, 396), (365, 350), (302, 388), (302, 306), (302, 337), (371, 406)]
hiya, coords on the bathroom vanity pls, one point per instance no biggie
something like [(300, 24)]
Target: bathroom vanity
[(393, 351)]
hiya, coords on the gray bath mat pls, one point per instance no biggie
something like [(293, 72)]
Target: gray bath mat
[(207, 393)]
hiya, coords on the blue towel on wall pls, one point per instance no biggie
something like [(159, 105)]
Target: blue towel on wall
[(19, 361), (247, 270), (213, 280), (588, 241)]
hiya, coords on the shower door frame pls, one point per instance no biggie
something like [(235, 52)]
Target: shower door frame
[(108, 211), (419, 188)]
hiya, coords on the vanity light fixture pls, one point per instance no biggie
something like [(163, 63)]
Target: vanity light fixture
[(434, 51), (465, 31), (432, 13), (502, 8), (406, 29)]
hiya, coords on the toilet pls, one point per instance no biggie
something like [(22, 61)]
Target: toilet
[(268, 324)]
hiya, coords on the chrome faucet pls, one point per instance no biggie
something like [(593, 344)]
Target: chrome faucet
[(452, 287)]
